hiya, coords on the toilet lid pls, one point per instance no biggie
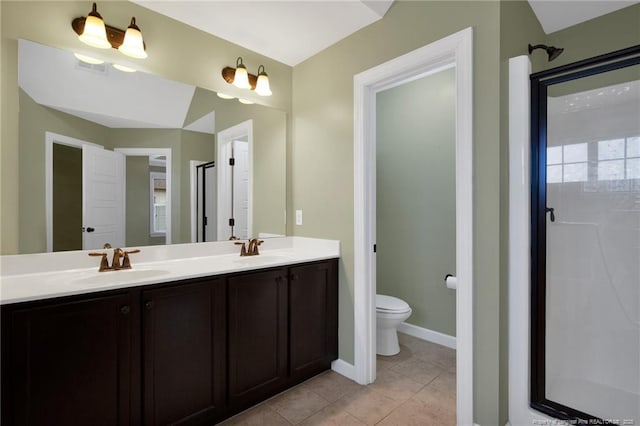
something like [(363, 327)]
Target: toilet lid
[(390, 303)]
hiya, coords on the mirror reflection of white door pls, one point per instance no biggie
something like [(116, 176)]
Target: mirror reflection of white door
[(102, 198), (240, 196), (234, 195)]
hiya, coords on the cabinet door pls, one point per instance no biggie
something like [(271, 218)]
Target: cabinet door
[(71, 363), (184, 353), (313, 318), (257, 336)]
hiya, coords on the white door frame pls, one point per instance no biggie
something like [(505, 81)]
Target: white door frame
[(166, 152), (457, 50), (223, 153), (49, 139)]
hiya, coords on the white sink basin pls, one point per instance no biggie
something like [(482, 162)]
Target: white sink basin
[(116, 277)]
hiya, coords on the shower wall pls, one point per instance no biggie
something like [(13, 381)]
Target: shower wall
[(593, 252)]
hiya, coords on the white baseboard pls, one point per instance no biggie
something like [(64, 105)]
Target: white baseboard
[(428, 335), (344, 368)]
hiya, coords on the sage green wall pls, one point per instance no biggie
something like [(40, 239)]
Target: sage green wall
[(137, 202), (67, 198), (176, 51), (416, 198), (322, 157), (35, 121)]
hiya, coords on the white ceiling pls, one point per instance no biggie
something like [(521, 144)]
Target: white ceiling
[(556, 15), (291, 31), (288, 31)]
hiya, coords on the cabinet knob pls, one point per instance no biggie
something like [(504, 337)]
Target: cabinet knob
[(125, 309), (148, 304)]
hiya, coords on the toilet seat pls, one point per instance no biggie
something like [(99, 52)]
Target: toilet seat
[(390, 304)]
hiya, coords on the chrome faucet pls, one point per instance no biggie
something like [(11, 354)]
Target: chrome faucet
[(251, 249), (120, 259)]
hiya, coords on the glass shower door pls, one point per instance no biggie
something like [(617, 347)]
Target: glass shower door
[(586, 235)]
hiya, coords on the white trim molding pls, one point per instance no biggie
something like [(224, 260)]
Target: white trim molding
[(454, 50), (166, 152), (344, 368), (428, 335), (49, 139), (519, 244)]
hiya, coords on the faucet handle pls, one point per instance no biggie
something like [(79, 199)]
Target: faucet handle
[(243, 249), (126, 262), (104, 263)]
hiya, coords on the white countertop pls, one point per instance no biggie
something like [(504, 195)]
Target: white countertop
[(46, 275)]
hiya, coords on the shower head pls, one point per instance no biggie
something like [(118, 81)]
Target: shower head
[(552, 52)]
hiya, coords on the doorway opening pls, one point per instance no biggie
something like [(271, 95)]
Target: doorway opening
[(456, 51)]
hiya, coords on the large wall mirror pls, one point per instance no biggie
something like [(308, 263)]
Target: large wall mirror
[(95, 140)]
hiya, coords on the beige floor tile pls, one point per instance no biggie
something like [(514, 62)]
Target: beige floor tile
[(395, 385), (418, 370), (332, 415), (297, 404), (440, 393), (418, 413), (260, 415), (441, 356), (332, 386), (367, 405)]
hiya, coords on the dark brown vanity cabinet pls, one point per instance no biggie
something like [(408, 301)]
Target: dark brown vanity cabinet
[(257, 336), (68, 362), (313, 318), (184, 350), (189, 353)]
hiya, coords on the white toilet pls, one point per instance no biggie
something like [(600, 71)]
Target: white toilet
[(390, 312)]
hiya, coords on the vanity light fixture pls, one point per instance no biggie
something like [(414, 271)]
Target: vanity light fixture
[(224, 96), (239, 77), (245, 101), (93, 31)]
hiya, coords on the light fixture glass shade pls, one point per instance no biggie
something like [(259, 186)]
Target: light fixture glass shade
[(88, 59), (133, 45), (262, 85), (123, 68), (225, 96), (241, 77), (245, 101), (94, 33)]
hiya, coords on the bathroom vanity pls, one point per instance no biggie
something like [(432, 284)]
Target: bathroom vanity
[(169, 348)]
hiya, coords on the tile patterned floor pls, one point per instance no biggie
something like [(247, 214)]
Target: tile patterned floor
[(415, 387)]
